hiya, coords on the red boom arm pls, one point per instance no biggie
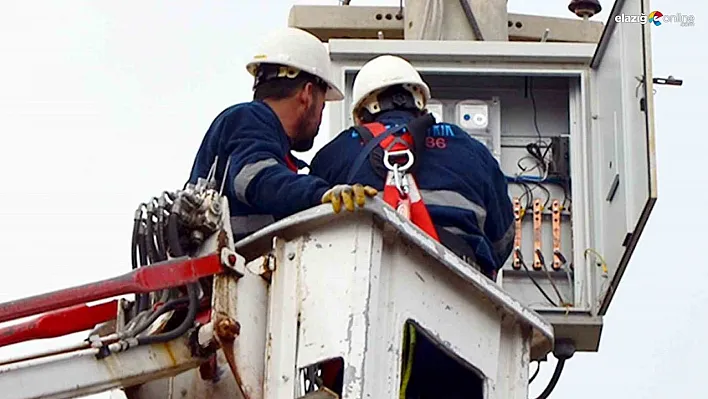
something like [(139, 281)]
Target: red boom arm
[(168, 274)]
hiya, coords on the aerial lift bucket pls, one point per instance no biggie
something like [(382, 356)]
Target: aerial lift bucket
[(315, 305), (337, 294)]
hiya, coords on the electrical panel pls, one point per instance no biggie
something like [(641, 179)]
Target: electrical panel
[(571, 128), (525, 122), (472, 115), (480, 119)]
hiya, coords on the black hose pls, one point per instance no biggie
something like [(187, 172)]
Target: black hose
[(143, 299), (173, 236), (554, 379), (144, 324), (141, 244), (163, 207), (169, 195), (150, 236), (187, 323), (160, 231), (134, 239), (157, 212)]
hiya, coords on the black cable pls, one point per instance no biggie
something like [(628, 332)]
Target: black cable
[(187, 323), (160, 229), (534, 150), (566, 194), (471, 20), (142, 251), (548, 194), (143, 300), (170, 305), (175, 248), (528, 193), (150, 235), (535, 374), (542, 158), (533, 280), (164, 209), (134, 237), (554, 379), (170, 196), (519, 165), (563, 349)]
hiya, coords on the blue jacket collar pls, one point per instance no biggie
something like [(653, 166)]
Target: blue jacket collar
[(394, 117)]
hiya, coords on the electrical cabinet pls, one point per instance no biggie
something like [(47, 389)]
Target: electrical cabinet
[(571, 125)]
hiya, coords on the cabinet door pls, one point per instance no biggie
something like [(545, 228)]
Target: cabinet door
[(622, 157)]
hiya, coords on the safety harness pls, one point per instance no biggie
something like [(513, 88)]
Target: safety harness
[(290, 162), (392, 156)]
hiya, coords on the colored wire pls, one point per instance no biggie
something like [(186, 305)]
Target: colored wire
[(408, 367)]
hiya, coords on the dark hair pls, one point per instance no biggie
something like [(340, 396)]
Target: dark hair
[(272, 83)]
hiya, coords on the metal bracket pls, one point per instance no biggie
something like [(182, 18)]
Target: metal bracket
[(558, 259), (267, 267), (518, 215), (537, 220), (233, 262)]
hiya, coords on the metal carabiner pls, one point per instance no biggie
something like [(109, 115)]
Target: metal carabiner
[(402, 168), (400, 180)]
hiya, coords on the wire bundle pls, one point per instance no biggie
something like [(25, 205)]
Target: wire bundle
[(156, 238)]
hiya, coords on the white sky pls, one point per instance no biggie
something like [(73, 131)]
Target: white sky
[(103, 105)]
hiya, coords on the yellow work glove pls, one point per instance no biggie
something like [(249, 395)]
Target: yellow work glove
[(348, 194)]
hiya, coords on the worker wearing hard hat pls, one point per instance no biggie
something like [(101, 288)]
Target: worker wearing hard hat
[(465, 202), (251, 143)]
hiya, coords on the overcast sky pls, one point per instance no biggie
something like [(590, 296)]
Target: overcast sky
[(103, 105)]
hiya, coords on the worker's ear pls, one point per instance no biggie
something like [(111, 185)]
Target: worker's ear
[(306, 96)]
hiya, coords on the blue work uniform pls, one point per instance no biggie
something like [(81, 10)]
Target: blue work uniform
[(461, 183), (262, 183)]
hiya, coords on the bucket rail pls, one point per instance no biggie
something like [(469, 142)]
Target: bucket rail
[(261, 241)]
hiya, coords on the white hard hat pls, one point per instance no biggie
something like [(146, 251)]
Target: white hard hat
[(383, 72), (297, 49)]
